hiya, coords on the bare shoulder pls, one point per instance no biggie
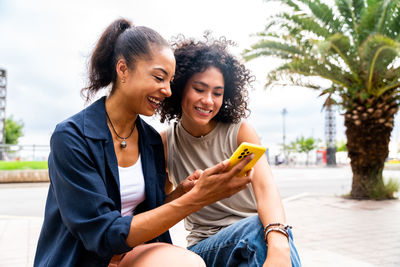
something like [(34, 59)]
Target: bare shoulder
[(164, 137), (247, 133)]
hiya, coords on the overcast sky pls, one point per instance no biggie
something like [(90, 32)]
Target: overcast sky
[(45, 45)]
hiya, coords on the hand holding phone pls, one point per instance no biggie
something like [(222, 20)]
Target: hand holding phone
[(243, 151)]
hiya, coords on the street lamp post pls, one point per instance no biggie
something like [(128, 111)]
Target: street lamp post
[(3, 94), (284, 112)]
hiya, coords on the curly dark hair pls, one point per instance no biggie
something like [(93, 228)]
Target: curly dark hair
[(197, 56)]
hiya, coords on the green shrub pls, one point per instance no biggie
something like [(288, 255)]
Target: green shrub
[(385, 191)]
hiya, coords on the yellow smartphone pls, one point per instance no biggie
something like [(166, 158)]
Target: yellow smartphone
[(243, 151)]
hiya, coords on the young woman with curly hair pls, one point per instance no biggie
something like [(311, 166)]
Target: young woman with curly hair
[(208, 102)]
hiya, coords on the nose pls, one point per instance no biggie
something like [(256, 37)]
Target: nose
[(167, 90), (207, 99)]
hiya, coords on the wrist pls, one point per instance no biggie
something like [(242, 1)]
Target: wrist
[(191, 200), (277, 240), (276, 228)]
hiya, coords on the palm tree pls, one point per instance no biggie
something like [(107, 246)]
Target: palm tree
[(354, 44)]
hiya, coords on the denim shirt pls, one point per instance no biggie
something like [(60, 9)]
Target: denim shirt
[(82, 223)]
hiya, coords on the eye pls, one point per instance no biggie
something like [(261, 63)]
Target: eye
[(198, 90), (217, 94), (160, 79)]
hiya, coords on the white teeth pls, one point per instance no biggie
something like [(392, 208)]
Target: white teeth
[(155, 101), (203, 110)]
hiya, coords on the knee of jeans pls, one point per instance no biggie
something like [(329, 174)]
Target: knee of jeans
[(253, 233)]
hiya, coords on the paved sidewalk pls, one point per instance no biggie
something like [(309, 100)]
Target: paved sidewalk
[(328, 231), (333, 231)]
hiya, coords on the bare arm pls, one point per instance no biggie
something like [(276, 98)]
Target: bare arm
[(214, 183), (269, 205)]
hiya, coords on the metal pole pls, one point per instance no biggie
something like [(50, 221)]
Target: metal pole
[(3, 94), (284, 112)]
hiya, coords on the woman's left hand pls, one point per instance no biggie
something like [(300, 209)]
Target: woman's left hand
[(190, 181)]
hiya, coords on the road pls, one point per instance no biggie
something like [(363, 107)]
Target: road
[(322, 180), (29, 199)]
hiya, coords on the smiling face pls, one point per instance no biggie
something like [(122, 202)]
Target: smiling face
[(202, 99), (144, 87)]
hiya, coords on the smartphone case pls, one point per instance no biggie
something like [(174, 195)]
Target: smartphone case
[(243, 151)]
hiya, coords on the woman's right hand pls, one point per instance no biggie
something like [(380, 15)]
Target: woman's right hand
[(220, 182)]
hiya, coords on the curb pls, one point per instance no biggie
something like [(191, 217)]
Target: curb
[(24, 176)]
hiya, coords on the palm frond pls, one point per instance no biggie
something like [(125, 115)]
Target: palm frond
[(346, 10), (312, 67), (292, 4), (377, 52), (392, 26), (324, 14), (340, 45), (358, 6), (370, 19), (308, 24), (388, 87), (268, 48), (284, 77), (387, 8)]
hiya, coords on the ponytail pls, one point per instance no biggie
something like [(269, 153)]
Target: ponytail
[(120, 40)]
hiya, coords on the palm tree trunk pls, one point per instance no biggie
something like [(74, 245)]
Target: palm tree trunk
[(368, 136)]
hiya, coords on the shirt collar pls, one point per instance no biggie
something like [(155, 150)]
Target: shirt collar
[(95, 124)]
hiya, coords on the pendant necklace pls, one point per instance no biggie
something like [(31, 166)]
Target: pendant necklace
[(123, 143)]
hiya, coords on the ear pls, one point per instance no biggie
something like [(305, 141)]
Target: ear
[(122, 69)]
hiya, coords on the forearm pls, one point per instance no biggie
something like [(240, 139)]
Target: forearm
[(269, 205), (270, 210), (148, 225)]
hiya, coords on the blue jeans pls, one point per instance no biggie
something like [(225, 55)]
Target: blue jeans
[(240, 244)]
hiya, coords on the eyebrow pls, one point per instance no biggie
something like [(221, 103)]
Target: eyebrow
[(206, 85), (165, 72)]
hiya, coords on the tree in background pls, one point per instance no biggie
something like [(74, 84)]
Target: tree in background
[(305, 145), (341, 146), (354, 44), (13, 130)]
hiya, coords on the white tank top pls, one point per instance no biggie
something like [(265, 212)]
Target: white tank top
[(132, 189)]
